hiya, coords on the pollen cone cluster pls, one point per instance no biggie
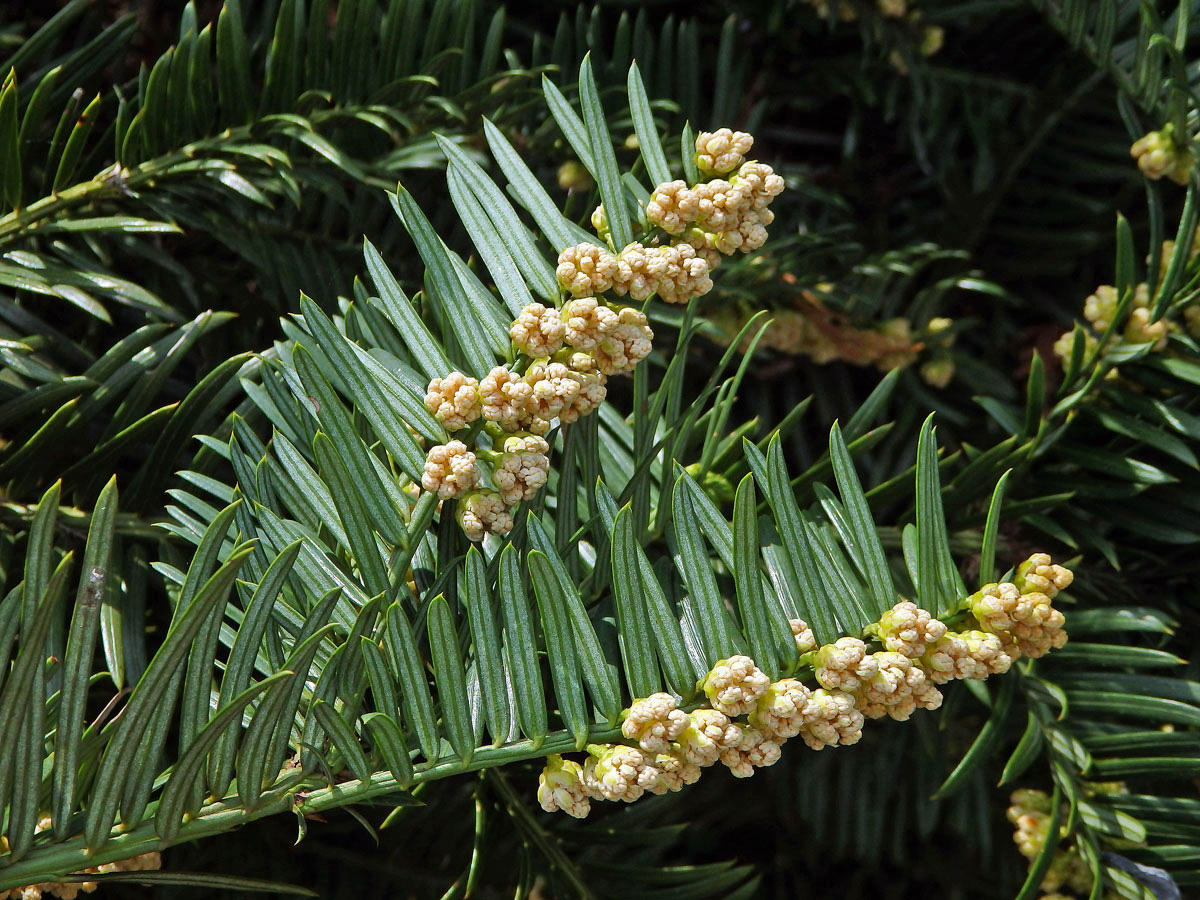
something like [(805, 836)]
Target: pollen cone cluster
[(565, 352), (565, 358), (1100, 310), (745, 718), (699, 223)]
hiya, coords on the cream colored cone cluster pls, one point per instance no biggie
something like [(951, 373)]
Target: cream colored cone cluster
[(654, 722), (1159, 156), (908, 629), (450, 470), (481, 513), (668, 747), (672, 747), (560, 788), (538, 330), (610, 340), (722, 215), (720, 152), (1101, 307), (674, 272), (568, 355), (1029, 813), (899, 687), (701, 222), (520, 470), (1020, 615), (803, 635), (844, 664), (454, 400), (1099, 310), (734, 685), (965, 654)]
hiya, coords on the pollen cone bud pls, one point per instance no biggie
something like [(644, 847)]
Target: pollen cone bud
[(843, 664), (450, 470), (754, 749), (734, 685), (454, 400), (560, 788), (655, 722), (908, 629), (709, 731), (721, 151), (538, 331), (484, 512)]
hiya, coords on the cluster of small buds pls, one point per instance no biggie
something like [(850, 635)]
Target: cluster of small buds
[(586, 270), (673, 772), (585, 322), (734, 685), (1100, 308), (538, 330), (454, 400), (655, 722), (844, 664), (484, 512), (897, 689), (626, 345), (1026, 623), (615, 339), (618, 772), (780, 711), (676, 273), (506, 399), (908, 629), (1040, 574), (1158, 155), (805, 641), (831, 718), (69, 890), (718, 206), (520, 470), (1030, 813), (754, 749), (558, 391), (450, 470), (709, 732), (965, 654), (720, 152), (573, 352), (560, 788), (1064, 347), (1140, 330), (919, 654)]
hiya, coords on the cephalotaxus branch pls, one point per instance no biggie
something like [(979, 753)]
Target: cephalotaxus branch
[(117, 181), (301, 793)]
